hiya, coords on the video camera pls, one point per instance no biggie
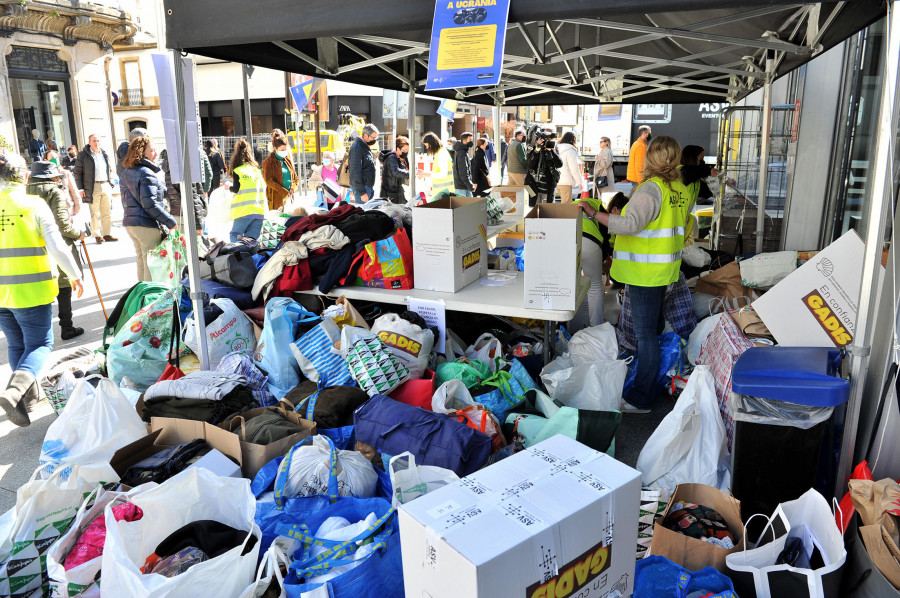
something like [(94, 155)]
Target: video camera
[(535, 133)]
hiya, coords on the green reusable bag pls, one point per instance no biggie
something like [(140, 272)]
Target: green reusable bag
[(471, 371)]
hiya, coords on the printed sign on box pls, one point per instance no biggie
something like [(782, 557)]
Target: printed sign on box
[(816, 305), (552, 256), (450, 243)]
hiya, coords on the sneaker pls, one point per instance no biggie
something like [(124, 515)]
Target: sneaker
[(629, 408), (109, 238)]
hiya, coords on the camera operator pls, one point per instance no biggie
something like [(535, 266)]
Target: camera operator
[(543, 166)]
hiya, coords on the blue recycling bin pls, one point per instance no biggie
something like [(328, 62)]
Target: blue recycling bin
[(783, 403)]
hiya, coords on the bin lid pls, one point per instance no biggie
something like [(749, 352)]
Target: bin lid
[(799, 375)]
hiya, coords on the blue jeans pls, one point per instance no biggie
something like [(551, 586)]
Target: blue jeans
[(358, 193), (29, 336), (463, 192), (246, 226), (647, 317)]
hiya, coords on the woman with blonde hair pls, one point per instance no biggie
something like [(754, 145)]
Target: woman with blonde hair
[(647, 254), (603, 167)]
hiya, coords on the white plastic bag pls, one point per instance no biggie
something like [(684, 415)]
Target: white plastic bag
[(269, 571), (218, 219), (765, 270), (489, 350), (410, 481), (81, 581), (689, 444), (193, 495), (44, 510), (309, 467), (451, 396), (594, 343), (231, 332), (695, 257), (699, 335), (95, 424), (408, 342), (595, 385)]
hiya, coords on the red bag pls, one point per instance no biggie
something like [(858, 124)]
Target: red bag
[(844, 515), (417, 393), (173, 367), (385, 264)]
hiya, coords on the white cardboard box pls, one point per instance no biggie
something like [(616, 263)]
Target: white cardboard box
[(219, 464), (558, 519), (552, 256), (518, 195), (450, 243), (816, 304)]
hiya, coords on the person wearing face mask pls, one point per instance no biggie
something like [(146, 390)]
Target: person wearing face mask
[(329, 170), (395, 171), (143, 197), (462, 166), (441, 165), (279, 173), (362, 164), (68, 160)]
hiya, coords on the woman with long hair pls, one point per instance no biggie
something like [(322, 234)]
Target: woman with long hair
[(480, 169), (248, 203), (395, 170), (570, 177), (603, 167), (650, 236), (143, 197), (441, 165), (279, 173), (216, 162)]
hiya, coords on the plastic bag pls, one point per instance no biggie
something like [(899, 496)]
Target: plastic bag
[(765, 270), (44, 511), (453, 398), (595, 385), (306, 469), (658, 577), (594, 343), (410, 481), (407, 341), (689, 444), (283, 319), (471, 372), (695, 257), (59, 379), (193, 495), (168, 260), (218, 218), (757, 410), (699, 335), (489, 350), (270, 572), (231, 332), (374, 366), (317, 356), (98, 422), (671, 357)]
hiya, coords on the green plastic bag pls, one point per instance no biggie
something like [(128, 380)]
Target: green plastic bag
[(471, 371)]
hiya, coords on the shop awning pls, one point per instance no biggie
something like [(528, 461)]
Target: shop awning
[(589, 51)]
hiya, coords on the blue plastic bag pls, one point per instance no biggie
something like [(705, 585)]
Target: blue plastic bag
[(510, 390), (671, 356), (658, 577), (284, 317)]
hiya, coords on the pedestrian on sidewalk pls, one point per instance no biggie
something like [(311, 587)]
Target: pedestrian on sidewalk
[(395, 171), (570, 177), (462, 166), (70, 189), (480, 179), (248, 204), (122, 150), (362, 164), (30, 243), (636, 156), (93, 174), (518, 163), (46, 183), (216, 161), (143, 196), (279, 173)]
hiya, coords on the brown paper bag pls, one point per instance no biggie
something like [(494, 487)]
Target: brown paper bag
[(351, 317), (750, 324), (691, 553), (883, 551), (726, 283)]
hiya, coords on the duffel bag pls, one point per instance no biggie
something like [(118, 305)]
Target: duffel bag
[(234, 269), (434, 439), (217, 290)]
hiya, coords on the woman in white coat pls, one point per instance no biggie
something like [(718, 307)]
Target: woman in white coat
[(570, 178), (603, 167)]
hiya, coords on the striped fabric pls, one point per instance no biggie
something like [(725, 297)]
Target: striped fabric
[(678, 309), (329, 367)]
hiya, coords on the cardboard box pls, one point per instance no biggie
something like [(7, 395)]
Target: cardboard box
[(167, 432), (256, 455), (219, 464), (558, 519), (450, 243), (553, 240), (816, 304), (691, 553), (516, 194)]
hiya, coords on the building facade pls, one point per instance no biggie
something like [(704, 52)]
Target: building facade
[(54, 61)]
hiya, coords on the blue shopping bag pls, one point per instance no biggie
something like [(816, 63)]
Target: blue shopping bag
[(284, 321), (658, 577), (510, 389)]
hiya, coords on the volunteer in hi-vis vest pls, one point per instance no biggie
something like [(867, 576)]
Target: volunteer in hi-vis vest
[(647, 254), (29, 237), (441, 165), (248, 204)]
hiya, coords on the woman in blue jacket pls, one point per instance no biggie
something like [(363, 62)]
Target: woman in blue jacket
[(143, 197)]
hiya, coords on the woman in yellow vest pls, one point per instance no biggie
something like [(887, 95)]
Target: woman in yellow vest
[(29, 238), (647, 254), (248, 204), (442, 165)]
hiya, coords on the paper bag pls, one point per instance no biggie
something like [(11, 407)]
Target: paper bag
[(751, 325), (726, 283)]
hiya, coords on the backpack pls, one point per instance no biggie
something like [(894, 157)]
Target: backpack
[(134, 299), (344, 171)]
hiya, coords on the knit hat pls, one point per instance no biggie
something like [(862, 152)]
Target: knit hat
[(43, 170)]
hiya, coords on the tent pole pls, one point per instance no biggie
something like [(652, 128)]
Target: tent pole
[(411, 121), (496, 140), (248, 125), (880, 201), (764, 155), (394, 124), (188, 214)]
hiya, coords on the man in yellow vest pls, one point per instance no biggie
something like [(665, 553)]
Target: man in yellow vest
[(29, 238), (647, 254)]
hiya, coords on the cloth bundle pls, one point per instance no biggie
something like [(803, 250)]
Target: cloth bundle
[(700, 522), (258, 383), (192, 544), (165, 464), (90, 544), (200, 396), (269, 427)]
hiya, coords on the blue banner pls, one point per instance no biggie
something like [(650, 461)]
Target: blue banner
[(304, 92), (467, 41), (448, 108)]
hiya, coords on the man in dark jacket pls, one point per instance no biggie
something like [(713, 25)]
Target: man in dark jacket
[(67, 159), (462, 165), (395, 171), (362, 164), (93, 176), (173, 195), (122, 150)]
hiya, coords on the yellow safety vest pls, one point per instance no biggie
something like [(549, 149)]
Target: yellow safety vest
[(251, 198), (442, 180), (27, 275), (589, 226), (652, 257)]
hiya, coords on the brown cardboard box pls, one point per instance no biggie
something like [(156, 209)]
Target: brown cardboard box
[(167, 432), (691, 553), (254, 456)]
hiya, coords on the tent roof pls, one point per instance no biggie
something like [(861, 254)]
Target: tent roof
[(581, 51)]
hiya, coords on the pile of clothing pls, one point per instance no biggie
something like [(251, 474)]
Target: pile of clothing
[(193, 544), (211, 397), (166, 463), (700, 522)]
